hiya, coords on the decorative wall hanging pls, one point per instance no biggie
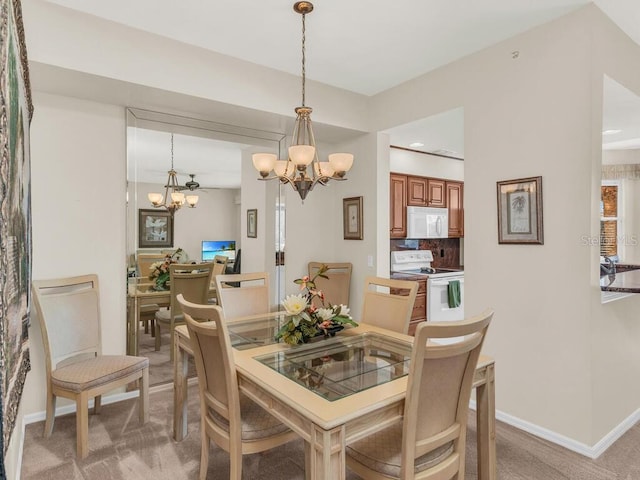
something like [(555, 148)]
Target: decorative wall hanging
[(352, 218), (520, 211), (16, 111), (155, 228), (252, 223)]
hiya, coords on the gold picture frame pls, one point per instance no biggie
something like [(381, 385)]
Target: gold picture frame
[(352, 218), (520, 211)]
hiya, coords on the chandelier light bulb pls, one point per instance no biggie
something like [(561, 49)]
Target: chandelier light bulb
[(302, 154), (283, 168), (264, 162), (341, 162), (323, 169), (192, 200), (155, 198)]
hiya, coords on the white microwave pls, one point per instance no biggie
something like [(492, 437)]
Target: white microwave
[(427, 222)]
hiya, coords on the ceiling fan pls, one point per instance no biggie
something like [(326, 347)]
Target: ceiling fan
[(192, 185)]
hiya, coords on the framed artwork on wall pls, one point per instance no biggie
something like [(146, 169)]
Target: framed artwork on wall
[(252, 223), (155, 228), (352, 218), (520, 211), (16, 110)]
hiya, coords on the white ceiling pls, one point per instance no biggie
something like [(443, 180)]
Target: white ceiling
[(365, 46)]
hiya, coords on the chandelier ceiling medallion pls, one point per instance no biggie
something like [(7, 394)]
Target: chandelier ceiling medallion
[(172, 191), (302, 169)]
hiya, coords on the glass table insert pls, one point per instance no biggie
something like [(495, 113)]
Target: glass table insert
[(246, 334), (343, 366)]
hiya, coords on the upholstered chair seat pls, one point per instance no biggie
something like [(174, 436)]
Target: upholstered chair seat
[(382, 452), (84, 375), (256, 422)]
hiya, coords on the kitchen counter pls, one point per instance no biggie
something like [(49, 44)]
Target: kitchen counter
[(624, 281)]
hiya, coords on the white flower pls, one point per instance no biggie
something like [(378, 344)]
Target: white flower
[(295, 304), (343, 311), (325, 313)]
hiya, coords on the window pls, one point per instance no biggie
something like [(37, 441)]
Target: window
[(610, 196)]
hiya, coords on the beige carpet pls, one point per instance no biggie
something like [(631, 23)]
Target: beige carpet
[(122, 449)]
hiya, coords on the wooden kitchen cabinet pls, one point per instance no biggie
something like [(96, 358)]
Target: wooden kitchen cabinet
[(417, 194), (419, 307), (436, 192), (455, 192), (398, 206), (419, 313)]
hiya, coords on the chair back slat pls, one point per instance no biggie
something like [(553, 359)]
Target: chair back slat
[(192, 281), (243, 294), (145, 260), (68, 310), (388, 303), (336, 287)]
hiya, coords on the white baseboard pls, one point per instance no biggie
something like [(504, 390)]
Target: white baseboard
[(592, 452), (71, 408), (106, 400)]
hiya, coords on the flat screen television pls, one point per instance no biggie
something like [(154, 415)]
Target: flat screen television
[(211, 248)]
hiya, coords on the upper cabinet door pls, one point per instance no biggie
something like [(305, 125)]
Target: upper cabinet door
[(456, 211), (398, 206), (417, 195), (436, 193)]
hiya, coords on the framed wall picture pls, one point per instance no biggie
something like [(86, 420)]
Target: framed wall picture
[(520, 211), (252, 223), (352, 218), (16, 110), (155, 228)]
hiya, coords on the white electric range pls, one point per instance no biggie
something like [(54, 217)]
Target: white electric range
[(418, 263)]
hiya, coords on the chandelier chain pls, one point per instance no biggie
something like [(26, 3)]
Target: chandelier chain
[(172, 151), (304, 58)]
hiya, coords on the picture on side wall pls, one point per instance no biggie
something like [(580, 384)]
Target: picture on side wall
[(352, 218), (520, 211), (252, 223), (16, 111), (155, 228)]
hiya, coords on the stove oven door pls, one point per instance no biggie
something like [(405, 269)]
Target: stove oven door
[(438, 309)]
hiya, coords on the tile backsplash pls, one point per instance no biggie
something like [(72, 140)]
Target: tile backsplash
[(446, 251)]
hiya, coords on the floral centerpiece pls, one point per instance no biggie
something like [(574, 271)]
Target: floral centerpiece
[(306, 319), (160, 270)]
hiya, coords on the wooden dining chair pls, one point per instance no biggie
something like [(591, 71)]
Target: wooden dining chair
[(251, 297), (219, 268), (68, 310), (148, 312), (388, 303), (193, 282), (336, 287), (144, 262), (429, 442), (233, 421)]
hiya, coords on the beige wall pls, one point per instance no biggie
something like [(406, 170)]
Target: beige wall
[(413, 163), (540, 114)]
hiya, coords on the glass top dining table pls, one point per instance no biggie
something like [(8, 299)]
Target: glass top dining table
[(335, 386)]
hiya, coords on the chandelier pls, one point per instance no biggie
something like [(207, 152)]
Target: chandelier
[(302, 169), (173, 191)]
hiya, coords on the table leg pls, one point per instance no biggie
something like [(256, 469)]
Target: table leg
[(132, 326), (324, 454), (486, 426), (180, 366)]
